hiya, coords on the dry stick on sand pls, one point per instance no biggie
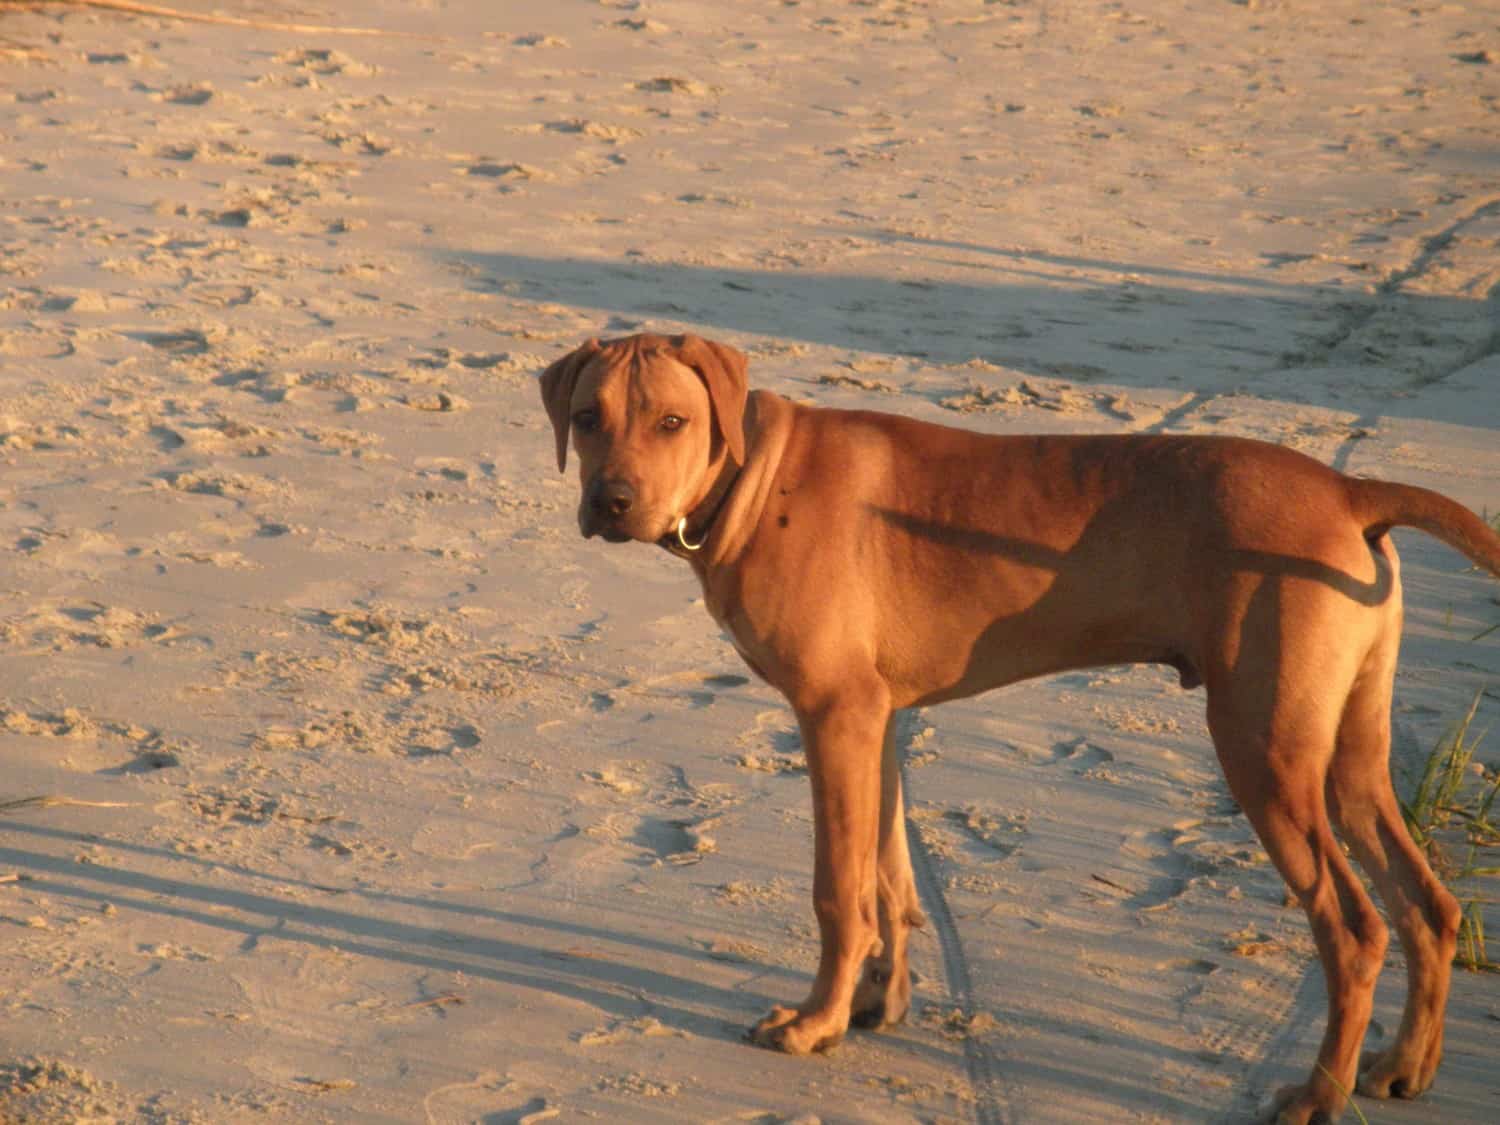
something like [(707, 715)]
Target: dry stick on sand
[(235, 21), (47, 802)]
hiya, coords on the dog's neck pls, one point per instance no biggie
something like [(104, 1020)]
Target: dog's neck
[(700, 521)]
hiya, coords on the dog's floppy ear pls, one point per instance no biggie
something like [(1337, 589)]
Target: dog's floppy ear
[(723, 371), (557, 393)]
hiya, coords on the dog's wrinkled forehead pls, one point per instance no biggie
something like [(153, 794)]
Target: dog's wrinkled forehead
[(636, 376)]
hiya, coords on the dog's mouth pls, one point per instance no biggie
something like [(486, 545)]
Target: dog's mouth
[(591, 524)]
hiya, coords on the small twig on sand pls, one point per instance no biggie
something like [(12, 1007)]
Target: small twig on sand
[(234, 21), (47, 802), (437, 1001)]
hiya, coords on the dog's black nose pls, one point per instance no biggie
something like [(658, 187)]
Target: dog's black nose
[(614, 498)]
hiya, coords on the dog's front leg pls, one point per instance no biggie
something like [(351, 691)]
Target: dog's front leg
[(842, 735)]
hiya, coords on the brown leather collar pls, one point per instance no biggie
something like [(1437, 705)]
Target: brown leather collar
[(688, 537)]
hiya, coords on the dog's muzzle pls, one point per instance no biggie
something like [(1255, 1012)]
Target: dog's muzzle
[(607, 504)]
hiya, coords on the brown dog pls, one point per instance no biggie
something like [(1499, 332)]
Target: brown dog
[(865, 562)]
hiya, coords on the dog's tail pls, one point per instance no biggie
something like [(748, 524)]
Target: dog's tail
[(1380, 505)]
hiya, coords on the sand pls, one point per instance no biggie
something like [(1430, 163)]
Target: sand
[(393, 800)]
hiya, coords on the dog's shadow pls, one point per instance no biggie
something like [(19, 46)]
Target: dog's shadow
[(525, 950)]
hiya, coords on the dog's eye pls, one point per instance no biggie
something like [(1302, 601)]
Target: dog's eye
[(673, 422), (587, 421)]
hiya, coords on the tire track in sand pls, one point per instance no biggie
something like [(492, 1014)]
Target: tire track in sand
[(980, 1061)]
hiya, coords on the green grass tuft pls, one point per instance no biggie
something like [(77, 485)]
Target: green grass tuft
[(1448, 813), (1349, 1101)]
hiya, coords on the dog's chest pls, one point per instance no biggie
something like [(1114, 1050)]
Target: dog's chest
[(717, 603)]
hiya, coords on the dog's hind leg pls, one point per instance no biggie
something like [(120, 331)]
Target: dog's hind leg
[(884, 993), (1275, 699), (1285, 803), (1425, 915)]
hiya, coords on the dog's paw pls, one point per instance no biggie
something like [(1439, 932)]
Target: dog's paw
[(1308, 1104), (1396, 1073), (789, 1030), (871, 1017), (882, 998)]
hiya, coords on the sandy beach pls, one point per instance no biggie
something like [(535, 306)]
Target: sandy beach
[(369, 792)]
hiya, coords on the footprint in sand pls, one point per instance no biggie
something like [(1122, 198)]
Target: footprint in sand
[(773, 745), (1078, 753), (94, 745), (677, 842), (1001, 833), (619, 1031), (1194, 971), (692, 689)]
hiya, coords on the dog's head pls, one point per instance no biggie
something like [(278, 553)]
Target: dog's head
[(652, 419)]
